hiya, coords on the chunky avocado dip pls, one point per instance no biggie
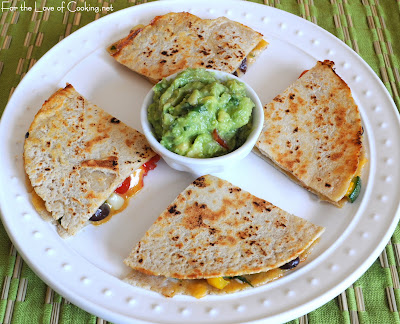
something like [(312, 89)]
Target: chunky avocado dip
[(197, 115)]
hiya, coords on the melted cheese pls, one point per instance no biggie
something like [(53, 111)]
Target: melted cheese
[(361, 164), (135, 186), (251, 57), (198, 288), (257, 50), (37, 202)]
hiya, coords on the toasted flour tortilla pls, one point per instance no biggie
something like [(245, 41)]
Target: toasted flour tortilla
[(215, 229), (176, 41), (76, 155), (313, 133)]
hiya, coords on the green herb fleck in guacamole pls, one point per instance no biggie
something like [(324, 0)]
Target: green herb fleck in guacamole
[(196, 115)]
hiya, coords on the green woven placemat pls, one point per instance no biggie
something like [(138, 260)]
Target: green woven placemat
[(370, 27)]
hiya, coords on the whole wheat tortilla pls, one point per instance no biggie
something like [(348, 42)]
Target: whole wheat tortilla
[(313, 133), (215, 229), (176, 41), (76, 155)]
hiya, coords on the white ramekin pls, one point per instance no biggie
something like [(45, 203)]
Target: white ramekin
[(202, 166)]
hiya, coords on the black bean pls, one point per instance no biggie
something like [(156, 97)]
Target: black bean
[(102, 212), (243, 65), (26, 134), (291, 264)]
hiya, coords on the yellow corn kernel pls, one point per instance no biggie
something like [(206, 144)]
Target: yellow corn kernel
[(218, 282), (351, 188), (361, 164)]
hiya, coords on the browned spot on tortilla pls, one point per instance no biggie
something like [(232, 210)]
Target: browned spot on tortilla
[(90, 195), (336, 156), (172, 210), (200, 182), (261, 205), (278, 99), (279, 223), (109, 163), (226, 240), (121, 44), (194, 217), (294, 107)]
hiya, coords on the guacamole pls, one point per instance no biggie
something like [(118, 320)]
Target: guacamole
[(196, 115)]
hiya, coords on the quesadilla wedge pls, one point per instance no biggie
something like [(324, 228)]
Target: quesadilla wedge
[(76, 155), (313, 133), (216, 238), (176, 41)]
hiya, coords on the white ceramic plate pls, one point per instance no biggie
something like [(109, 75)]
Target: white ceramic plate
[(88, 268)]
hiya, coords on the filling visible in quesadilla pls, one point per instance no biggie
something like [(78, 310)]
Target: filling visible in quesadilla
[(176, 41), (355, 185), (75, 155), (230, 284), (216, 238), (313, 133), (119, 199), (251, 58), (242, 69), (199, 288)]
